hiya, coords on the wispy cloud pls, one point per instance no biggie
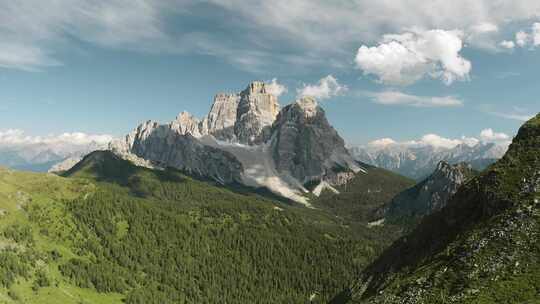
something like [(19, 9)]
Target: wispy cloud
[(513, 116), (275, 88), (399, 98), (31, 31), (516, 113), (504, 75), (292, 33)]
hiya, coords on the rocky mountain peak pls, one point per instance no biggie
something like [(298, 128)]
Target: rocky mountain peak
[(308, 105), (186, 123), (222, 116), (256, 112), (306, 146), (255, 87)]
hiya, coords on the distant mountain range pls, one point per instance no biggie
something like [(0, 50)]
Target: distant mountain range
[(417, 161), (42, 156)]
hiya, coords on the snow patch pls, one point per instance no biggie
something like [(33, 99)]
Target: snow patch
[(260, 170), (376, 223), (322, 186)]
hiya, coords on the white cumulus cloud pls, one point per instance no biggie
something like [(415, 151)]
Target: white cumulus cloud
[(392, 97), (275, 88), (406, 58), (522, 38), (488, 135), (382, 142), (530, 37), (507, 44), (437, 141), (327, 87)]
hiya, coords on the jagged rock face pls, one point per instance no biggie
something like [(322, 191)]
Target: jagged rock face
[(222, 117), (186, 123), (431, 194), (164, 146), (305, 145), (256, 112)]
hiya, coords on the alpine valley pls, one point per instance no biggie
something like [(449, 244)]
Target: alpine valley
[(259, 203)]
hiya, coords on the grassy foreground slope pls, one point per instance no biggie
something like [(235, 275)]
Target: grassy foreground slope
[(483, 247), (37, 235), (111, 232)]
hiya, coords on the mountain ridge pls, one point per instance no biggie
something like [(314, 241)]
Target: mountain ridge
[(429, 195), (481, 248), (420, 160)]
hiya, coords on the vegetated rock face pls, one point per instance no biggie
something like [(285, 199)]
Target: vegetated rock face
[(483, 247), (431, 194), (245, 138), (418, 161)]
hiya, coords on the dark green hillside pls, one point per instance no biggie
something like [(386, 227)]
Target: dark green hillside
[(367, 192), (483, 247), (162, 237)]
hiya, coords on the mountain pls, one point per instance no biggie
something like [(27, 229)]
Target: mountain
[(483, 247), (43, 156), (247, 139), (65, 164), (430, 195), (418, 161), (113, 232)]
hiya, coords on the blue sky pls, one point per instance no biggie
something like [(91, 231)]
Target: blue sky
[(396, 70)]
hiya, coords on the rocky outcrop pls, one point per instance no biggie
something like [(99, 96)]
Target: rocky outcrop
[(431, 194), (222, 116), (256, 112), (186, 123), (306, 146)]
